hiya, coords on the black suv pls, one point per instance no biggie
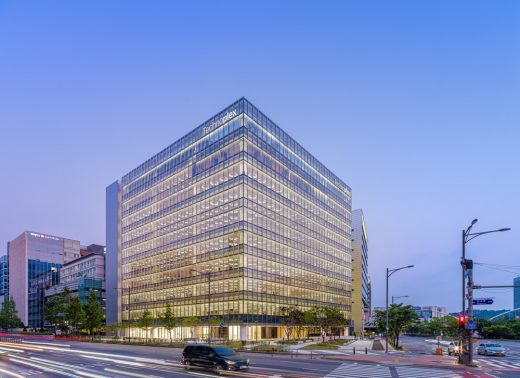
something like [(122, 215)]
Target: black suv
[(213, 357)]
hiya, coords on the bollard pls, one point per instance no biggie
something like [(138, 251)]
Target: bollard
[(353, 350), (311, 354), (366, 350)]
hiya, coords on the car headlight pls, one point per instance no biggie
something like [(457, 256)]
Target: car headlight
[(230, 362)]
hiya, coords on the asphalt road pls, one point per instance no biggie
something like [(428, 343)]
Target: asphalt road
[(59, 359), (53, 359), (502, 366)]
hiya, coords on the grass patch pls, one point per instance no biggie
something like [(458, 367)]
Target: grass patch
[(288, 342), (327, 345)]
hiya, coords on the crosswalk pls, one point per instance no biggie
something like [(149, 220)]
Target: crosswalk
[(498, 363), (360, 370), (355, 370)]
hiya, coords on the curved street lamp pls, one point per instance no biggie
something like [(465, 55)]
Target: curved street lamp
[(389, 272), (401, 296)]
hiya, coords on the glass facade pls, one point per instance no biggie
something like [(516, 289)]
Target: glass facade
[(241, 201), (42, 275)]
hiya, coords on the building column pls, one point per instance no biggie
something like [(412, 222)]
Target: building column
[(243, 333)]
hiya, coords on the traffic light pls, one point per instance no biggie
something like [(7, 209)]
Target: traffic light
[(461, 320)]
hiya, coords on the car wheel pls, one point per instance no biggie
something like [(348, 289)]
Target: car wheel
[(187, 365), (217, 369)]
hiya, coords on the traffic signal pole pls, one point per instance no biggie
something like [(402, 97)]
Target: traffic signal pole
[(469, 332), (463, 265)]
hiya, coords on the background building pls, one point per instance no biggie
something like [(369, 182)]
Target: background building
[(239, 201), (427, 313), (360, 280), (37, 287), (32, 254), (82, 276), (4, 279)]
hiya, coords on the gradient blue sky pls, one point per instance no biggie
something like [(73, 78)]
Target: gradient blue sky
[(415, 104)]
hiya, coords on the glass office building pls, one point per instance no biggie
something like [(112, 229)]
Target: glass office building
[(44, 276), (232, 221), (360, 279)]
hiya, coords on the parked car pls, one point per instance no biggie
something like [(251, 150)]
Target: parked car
[(491, 349), (454, 348), (217, 358)]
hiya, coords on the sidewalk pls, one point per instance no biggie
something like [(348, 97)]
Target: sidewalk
[(359, 345), (403, 360)]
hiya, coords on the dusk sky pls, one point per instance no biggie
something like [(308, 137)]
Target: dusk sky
[(414, 104)]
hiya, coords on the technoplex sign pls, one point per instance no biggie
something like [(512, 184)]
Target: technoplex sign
[(42, 236), (213, 125)]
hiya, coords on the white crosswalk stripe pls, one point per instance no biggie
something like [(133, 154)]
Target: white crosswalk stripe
[(496, 363), (360, 371), (410, 372), (355, 370)]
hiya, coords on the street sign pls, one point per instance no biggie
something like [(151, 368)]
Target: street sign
[(482, 301), (221, 324), (471, 325)]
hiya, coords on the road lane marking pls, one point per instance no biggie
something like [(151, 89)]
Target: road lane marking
[(110, 370), (11, 374)]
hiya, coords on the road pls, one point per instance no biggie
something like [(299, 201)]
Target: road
[(502, 366), (93, 360)]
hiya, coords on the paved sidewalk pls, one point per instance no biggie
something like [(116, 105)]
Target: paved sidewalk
[(403, 360), (359, 345)]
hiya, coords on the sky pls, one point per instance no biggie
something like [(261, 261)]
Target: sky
[(414, 104)]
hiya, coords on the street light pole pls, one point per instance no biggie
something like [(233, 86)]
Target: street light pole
[(389, 272), (466, 344)]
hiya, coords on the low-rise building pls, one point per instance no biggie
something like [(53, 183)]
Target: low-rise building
[(82, 276), (427, 313)]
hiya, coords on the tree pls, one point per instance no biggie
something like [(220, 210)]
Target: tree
[(145, 322), (191, 322), (288, 321), (399, 318), (169, 321), (94, 314), (9, 315), (74, 314), (334, 319), (53, 310), (325, 318)]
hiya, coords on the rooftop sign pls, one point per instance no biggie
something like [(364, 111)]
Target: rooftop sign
[(220, 121), (42, 236)]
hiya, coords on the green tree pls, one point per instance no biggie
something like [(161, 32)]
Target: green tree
[(325, 318), (94, 314), (9, 315), (169, 321), (145, 322), (191, 322), (288, 319), (53, 311), (74, 314), (335, 319), (399, 318)]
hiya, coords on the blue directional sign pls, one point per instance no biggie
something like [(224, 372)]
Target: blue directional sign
[(471, 325), (221, 324), (482, 301)]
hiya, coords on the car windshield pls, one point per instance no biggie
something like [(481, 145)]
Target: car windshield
[(494, 345), (221, 351)]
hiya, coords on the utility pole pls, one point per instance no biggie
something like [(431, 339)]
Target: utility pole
[(466, 344)]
